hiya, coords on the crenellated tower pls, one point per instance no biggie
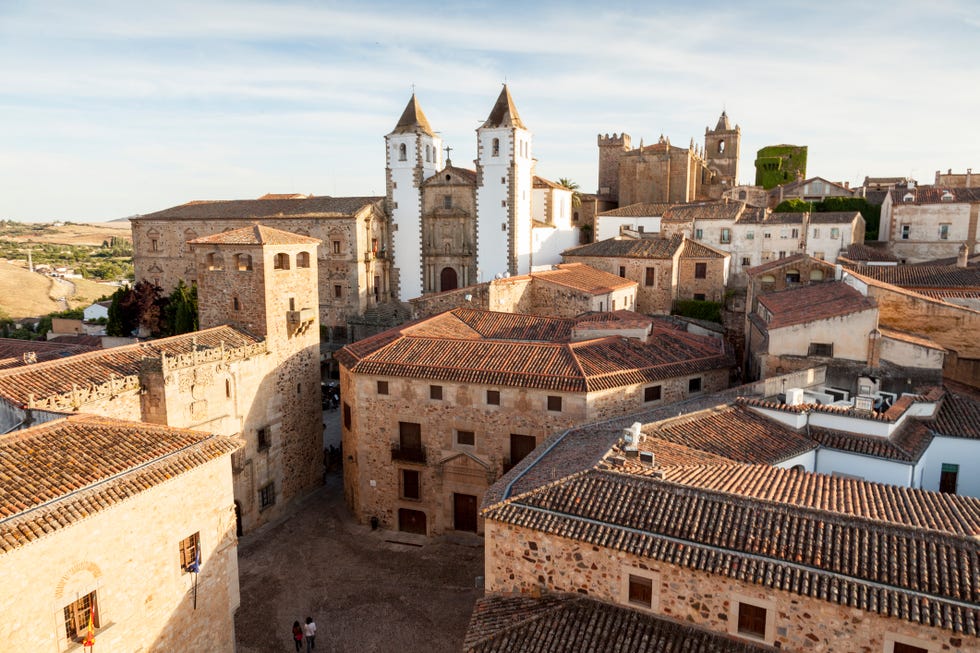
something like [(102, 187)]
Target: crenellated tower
[(611, 150)]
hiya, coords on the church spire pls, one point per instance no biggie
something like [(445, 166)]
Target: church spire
[(504, 113), (723, 123), (413, 120)]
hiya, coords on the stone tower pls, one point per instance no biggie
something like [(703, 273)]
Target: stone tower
[(414, 153), (264, 281), (611, 150), (505, 171), (722, 146)]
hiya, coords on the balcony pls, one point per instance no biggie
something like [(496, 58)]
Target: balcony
[(408, 455), (301, 316)]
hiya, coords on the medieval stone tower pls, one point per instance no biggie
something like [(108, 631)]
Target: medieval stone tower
[(722, 146), (414, 153), (505, 171), (611, 150), (264, 281)]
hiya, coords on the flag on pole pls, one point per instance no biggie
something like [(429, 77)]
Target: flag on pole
[(90, 631)]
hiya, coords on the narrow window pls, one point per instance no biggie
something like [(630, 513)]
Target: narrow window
[(698, 234), (299, 388), (267, 496), (189, 547), (944, 232), (228, 388), (338, 291), (835, 233), (751, 620), (77, 615), (650, 277), (700, 270), (347, 417), (721, 147), (402, 152), (622, 271), (816, 232), (694, 385), (652, 393), (947, 478), (292, 303), (335, 244), (235, 304), (746, 261), (495, 147), (554, 403), (447, 201), (154, 245), (435, 392), (411, 484), (428, 154), (262, 436), (795, 233), (382, 387), (726, 236), (493, 397), (467, 438)]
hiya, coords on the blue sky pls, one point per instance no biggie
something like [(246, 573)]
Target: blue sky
[(115, 108)]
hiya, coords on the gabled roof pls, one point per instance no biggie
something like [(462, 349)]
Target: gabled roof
[(13, 351), (511, 624), (584, 278), (803, 182), (623, 247), (934, 195), (413, 120), (255, 234), (817, 301), (859, 252), (504, 113), (465, 175), (720, 210), (263, 209), (788, 262), (638, 210), (922, 276), (958, 417), (697, 249), (541, 182), (60, 472), (473, 346), (834, 217)]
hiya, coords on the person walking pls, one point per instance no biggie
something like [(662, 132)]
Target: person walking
[(309, 630), (297, 635)]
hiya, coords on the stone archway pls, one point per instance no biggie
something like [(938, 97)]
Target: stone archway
[(448, 280)]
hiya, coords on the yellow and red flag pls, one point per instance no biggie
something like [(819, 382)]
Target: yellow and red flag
[(90, 631)]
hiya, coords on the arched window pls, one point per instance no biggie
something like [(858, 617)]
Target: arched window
[(281, 262), (742, 194), (495, 148), (243, 262), (767, 278), (303, 260), (428, 154), (816, 275), (402, 152), (215, 262), (721, 147)]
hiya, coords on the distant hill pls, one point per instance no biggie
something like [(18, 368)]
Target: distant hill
[(65, 233)]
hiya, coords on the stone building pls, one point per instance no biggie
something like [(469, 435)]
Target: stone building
[(664, 269), (352, 259), (814, 189), (949, 179), (435, 411), (105, 518), (665, 173), (647, 513), (928, 222), (256, 376), (779, 164)]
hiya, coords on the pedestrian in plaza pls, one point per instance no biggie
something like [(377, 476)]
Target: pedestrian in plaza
[(297, 635), (309, 630)]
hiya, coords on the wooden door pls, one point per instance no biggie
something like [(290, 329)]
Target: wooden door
[(464, 512), (411, 521)]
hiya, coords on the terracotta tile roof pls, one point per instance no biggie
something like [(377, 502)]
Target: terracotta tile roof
[(787, 262), (818, 301), (695, 249), (472, 346), (285, 196), (467, 175), (60, 472), (785, 218), (666, 454), (583, 277), (934, 195), (541, 182), (910, 338), (958, 417), (638, 210), (723, 210), (255, 234), (652, 248), (906, 445), (922, 574), (736, 433), (58, 377), (554, 623), (922, 276), (834, 217), (858, 252), (617, 320), (753, 215), (13, 350), (264, 209)]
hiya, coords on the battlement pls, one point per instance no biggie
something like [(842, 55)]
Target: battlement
[(616, 140)]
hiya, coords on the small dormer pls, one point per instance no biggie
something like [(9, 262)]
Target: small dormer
[(908, 197), (946, 196)]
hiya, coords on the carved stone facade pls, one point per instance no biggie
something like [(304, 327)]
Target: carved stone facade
[(449, 230)]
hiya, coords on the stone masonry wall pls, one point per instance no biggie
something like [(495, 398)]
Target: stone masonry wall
[(520, 560), (129, 554), (712, 286), (650, 300)]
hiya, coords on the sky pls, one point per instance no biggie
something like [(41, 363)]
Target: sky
[(112, 109)]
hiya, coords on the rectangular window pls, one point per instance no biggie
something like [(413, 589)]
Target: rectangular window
[(77, 615), (947, 478), (650, 277), (382, 387), (694, 385), (816, 232), (751, 620), (263, 439), (435, 392), (267, 496), (766, 234), (783, 233), (493, 397), (154, 245), (520, 446), (447, 201), (726, 236), (347, 417), (835, 233), (409, 435), (700, 270), (746, 261), (944, 232), (411, 484), (640, 591), (698, 234), (750, 235), (188, 551), (899, 647), (466, 438), (825, 349), (795, 233), (652, 393), (338, 291), (699, 296), (622, 271), (782, 255), (554, 403), (906, 231), (336, 246)]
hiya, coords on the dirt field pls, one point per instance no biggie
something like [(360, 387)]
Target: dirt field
[(90, 233), (364, 592), (29, 294)]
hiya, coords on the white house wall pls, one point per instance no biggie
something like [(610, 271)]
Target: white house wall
[(808, 460), (958, 451), (608, 226), (831, 461)]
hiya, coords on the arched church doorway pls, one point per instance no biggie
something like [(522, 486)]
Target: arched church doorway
[(448, 280)]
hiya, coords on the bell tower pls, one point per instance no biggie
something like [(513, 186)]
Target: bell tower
[(721, 150), (414, 153)]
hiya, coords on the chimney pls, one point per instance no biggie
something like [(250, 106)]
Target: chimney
[(969, 174), (963, 258)]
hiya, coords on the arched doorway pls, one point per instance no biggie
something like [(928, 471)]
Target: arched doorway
[(448, 280)]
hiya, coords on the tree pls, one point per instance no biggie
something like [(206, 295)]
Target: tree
[(794, 205), (572, 186), (141, 306), (181, 310), (120, 323)]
